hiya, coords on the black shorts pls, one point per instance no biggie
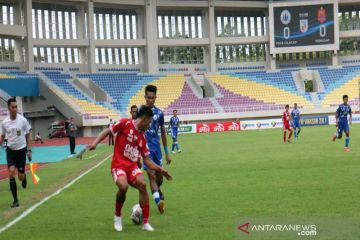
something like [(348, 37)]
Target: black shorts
[(16, 158)]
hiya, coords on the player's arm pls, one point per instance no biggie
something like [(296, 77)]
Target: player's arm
[(157, 168), (99, 138), (350, 116), (2, 137)]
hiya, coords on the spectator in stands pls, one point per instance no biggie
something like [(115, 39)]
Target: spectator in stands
[(111, 137), (133, 111), (38, 138), (71, 132)]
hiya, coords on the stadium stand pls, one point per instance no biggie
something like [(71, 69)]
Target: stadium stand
[(88, 108)]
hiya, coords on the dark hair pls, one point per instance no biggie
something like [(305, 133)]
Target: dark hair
[(174, 110), (345, 96), (11, 100), (287, 105), (151, 88), (295, 103), (132, 107), (144, 111)]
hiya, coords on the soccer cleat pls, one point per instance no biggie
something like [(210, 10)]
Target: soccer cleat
[(334, 138), (15, 204), (24, 182), (179, 151), (346, 149), (161, 206), (117, 223), (173, 151), (148, 227), (289, 141)]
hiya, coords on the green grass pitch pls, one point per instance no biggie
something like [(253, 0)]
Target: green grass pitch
[(219, 179)]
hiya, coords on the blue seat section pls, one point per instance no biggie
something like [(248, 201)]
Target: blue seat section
[(19, 83), (120, 86), (282, 80), (335, 78), (62, 81)]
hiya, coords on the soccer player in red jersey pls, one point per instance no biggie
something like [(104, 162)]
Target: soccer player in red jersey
[(286, 124), (130, 145)]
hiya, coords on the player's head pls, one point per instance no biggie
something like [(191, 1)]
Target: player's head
[(110, 119), (150, 95), (175, 112), (71, 120), (287, 107), (144, 117), (345, 99), (133, 111), (295, 105), (12, 106)]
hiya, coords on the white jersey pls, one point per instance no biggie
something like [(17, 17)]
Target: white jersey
[(15, 131)]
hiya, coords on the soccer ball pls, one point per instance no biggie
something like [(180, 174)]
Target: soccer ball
[(136, 215)]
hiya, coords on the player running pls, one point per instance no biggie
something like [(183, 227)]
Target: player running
[(295, 117), (152, 137), (342, 122), (174, 126), (130, 144), (286, 124)]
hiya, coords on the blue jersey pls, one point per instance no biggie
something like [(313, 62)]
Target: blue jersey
[(152, 134), (295, 114), (174, 122), (342, 112)]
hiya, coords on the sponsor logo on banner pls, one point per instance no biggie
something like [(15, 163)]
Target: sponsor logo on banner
[(261, 124), (314, 120), (218, 127), (204, 128), (321, 15), (304, 25), (234, 127), (185, 128)]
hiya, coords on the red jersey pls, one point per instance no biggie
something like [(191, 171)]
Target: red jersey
[(286, 118), (130, 144)]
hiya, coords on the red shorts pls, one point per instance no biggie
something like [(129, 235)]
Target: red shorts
[(129, 172), (287, 127)]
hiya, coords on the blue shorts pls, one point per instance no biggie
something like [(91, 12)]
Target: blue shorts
[(343, 127), (156, 157), (296, 124), (174, 133)]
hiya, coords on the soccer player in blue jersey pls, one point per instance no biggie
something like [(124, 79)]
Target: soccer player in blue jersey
[(295, 117), (153, 140), (342, 122), (174, 126)]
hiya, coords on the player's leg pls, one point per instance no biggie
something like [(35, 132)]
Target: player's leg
[(155, 190), (174, 142), (177, 143), (143, 201), (20, 164), (10, 157), (290, 134), (122, 184), (284, 134), (299, 130), (347, 139)]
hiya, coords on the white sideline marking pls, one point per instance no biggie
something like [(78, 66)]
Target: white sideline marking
[(92, 156), (36, 205)]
